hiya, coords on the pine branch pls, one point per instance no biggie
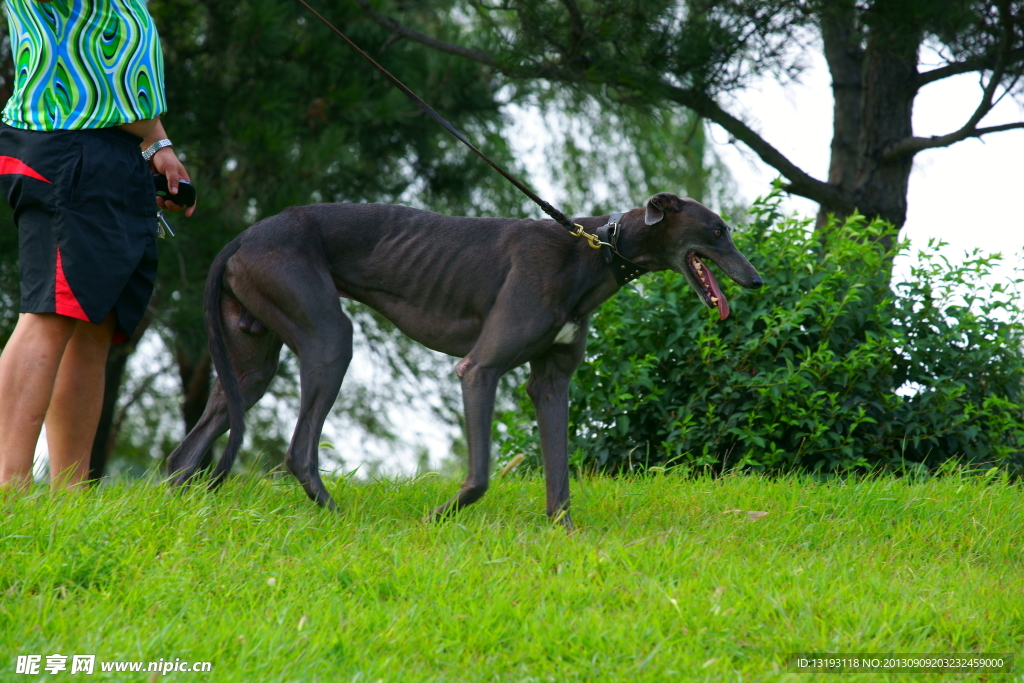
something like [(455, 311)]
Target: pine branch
[(405, 32), (801, 183), (954, 69), (986, 63), (913, 145), (575, 23)]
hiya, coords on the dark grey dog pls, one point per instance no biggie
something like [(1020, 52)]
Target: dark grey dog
[(497, 292)]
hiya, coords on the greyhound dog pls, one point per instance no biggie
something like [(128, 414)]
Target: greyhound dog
[(495, 292)]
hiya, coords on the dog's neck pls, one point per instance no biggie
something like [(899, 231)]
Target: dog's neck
[(639, 242)]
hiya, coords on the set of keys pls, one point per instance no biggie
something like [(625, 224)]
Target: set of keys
[(163, 228)]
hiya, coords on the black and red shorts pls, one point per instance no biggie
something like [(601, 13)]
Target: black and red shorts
[(85, 208)]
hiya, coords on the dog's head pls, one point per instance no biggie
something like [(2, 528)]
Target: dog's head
[(691, 234)]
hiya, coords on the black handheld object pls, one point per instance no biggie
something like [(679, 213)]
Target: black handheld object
[(186, 191)]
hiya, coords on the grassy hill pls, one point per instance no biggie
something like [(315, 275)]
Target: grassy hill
[(667, 578)]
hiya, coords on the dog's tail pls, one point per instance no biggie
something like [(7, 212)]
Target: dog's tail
[(222, 361)]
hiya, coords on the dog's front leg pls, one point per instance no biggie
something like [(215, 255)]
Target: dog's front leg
[(514, 331), (479, 385), (548, 388)]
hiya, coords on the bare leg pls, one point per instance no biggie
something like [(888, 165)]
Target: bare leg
[(28, 370), (76, 402)]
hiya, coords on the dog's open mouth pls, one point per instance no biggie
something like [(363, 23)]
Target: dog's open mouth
[(709, 288)]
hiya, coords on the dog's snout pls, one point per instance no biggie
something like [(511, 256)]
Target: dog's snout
[(756, 282)]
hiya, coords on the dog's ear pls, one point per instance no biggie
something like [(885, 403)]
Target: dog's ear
[(659, 204)]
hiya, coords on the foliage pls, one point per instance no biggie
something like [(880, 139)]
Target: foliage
[(665, 580), (271, 109), (603, 156), (824, 369), (712, 47)]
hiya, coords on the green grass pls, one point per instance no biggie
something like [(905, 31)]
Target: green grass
[(658, 583)]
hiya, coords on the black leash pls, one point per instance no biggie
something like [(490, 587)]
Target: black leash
[(607, 237), (548, 209)]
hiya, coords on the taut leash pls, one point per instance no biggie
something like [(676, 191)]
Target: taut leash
[(607, 235), (547, 208)]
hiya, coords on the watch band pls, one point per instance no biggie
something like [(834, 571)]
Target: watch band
[(148, 153)]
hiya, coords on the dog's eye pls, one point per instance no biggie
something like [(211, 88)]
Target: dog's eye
[(718, 232)]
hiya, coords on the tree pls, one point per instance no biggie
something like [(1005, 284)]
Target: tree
[(691, 53)]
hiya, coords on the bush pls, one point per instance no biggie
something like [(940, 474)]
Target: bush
[(826, 368)]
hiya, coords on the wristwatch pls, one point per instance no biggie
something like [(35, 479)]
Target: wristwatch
[(148, 153)]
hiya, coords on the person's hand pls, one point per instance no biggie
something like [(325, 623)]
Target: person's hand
[(165, 162)]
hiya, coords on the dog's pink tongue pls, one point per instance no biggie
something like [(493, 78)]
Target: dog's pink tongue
[(716, 292)]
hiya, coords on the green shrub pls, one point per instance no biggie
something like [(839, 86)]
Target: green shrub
[(826, 368)]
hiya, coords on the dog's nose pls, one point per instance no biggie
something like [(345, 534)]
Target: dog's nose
[(756, 282)]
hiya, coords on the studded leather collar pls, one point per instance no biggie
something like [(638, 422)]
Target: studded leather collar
[(623, 269)]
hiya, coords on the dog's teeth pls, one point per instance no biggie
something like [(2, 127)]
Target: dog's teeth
[(714, 299)]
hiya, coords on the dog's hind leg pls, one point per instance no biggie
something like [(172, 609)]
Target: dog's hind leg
[(324, 356), (254, 353), (289, 290), (185, 461)]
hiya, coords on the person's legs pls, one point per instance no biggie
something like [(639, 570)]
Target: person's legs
[(77, 400), (86, 250), (28, 370)]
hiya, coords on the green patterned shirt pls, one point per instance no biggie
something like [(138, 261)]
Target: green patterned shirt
[(83, 64)]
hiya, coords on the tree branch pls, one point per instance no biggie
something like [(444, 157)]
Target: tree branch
[(953, 69), (913, 145), (801, 183), (965, 67), (411, 34), (997, 129), (575, 23), (918, 144)]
